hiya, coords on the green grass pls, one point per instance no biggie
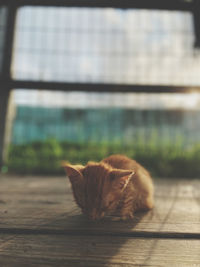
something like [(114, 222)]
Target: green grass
[(162, 160)]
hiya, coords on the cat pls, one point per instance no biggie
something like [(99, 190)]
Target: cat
[(117, 186)]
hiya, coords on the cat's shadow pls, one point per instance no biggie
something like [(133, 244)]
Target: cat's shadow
[(101, 240)]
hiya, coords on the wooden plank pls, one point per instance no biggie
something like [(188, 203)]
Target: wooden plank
[(62, 250), (47, 204), (32, 203)]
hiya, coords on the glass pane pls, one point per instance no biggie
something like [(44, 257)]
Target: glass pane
[(106, 46)]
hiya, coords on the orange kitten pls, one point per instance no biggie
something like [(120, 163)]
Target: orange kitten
[(116, 186)]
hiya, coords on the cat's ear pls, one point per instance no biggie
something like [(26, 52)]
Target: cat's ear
[(121, 178), (73, 171)]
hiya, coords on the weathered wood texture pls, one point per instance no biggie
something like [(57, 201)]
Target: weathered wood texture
[(54, 250), (40, 225), (47, 203)]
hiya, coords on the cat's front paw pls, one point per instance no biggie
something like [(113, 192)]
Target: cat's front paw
[(127, 216), (116, 218)]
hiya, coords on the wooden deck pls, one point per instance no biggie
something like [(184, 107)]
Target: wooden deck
[(40, 225)]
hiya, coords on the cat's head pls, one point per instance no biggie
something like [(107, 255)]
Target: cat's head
[(97, 187)]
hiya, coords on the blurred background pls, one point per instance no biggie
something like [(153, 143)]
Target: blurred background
[(134, 75)]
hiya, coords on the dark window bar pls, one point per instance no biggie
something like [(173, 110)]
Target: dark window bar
[(97, 87), (151, 4), (8, 42), (6, 63), (196, 18)]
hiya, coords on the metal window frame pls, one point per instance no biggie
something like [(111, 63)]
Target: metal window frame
[(184, 5), (7, 83)]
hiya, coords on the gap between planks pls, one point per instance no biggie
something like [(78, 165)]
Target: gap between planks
[(140, 234)]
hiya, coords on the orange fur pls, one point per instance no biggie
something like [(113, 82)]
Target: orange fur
[(115, 186)]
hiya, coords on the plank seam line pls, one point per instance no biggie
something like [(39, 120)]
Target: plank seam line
[(140, 234)]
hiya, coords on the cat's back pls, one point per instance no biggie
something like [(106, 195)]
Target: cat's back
[(121, 162), (142, 181)]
